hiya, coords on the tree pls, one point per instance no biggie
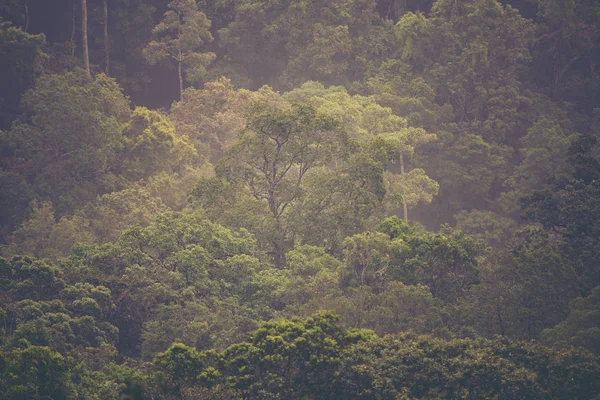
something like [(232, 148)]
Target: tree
[(178, 37), (447, 261), (544, 152), (21, 59), (84, 36), (151, 145), (68, 137), (275, 152), (34, 372), (367, 258), (486, 226), (457, 71), (131, 24), (468, 170), (476, 69), (338, 203), (42, 236), (295, 357), (581, 327), (106, 41), (179, 258), (181, 367), (212, 116), (377, 131)]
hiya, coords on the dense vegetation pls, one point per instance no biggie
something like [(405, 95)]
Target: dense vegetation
[(266, 199)]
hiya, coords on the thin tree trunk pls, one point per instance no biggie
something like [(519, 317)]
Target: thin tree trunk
[(26, 16), (404, 205), (180, 80), (84, 36), (179, 59), (73, 31), (500, 320), (106, 44), (279, 258)]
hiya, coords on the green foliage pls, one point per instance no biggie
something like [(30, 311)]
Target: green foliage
[(22, 58), (275, 152), (171, 275), (295, 358), (178, 36), (580, 328), (287, 42), (213, 116), (450, 112), (447, 262), (183, 366), (567, 40), (368, 256), (572, 211), (486, 226), (151, 145), (42, 236), (110, 214), (316, 358), (524, 292), (69, 135), (480, 79), (30, 278), (380, 137), (14, 200), (544, 152), (428, 368), (34, 372), (467, 171)]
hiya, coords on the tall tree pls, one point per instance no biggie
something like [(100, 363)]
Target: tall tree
[(106, 42), (183, 30), (84, 36), (377, 130), (273, 155)]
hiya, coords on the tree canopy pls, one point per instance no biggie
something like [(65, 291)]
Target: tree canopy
[(264, 199)]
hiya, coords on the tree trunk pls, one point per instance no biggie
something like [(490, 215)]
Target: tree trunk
[(73, 31), (106, 44), (26, 16), (404, 205), (179, 58), (279, 241), (84, 38), (180, 80), (279, 258), (500, 320)]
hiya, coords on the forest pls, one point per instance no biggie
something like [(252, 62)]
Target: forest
[(299, 199)]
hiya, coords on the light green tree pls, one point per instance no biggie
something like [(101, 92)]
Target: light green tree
[(376, 129), (151, 145), (275, 152)]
